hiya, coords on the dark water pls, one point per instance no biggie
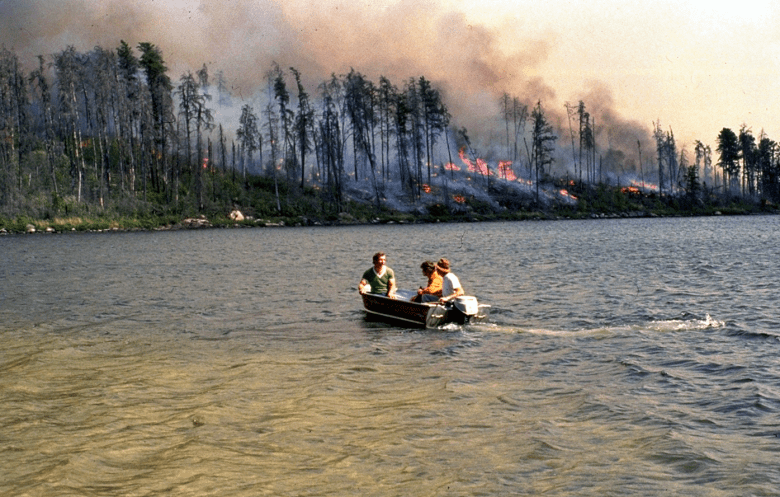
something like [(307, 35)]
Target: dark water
[(635, 357)]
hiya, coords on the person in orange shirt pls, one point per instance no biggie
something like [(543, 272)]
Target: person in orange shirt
[(432, 292)]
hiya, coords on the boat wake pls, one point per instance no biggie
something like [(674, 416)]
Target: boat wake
[(685, 324), (663, 326)]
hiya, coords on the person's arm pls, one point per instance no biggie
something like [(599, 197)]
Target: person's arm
[(391, 287), (457, 292)]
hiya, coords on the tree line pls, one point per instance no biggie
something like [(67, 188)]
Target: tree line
[(108, 128), (106, 125)]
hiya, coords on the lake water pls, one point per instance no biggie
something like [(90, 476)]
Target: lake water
[(623, 357)]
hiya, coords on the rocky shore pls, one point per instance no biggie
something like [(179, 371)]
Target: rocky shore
[(237, 220)]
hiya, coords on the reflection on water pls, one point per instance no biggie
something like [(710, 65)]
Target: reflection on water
[(623, 357)]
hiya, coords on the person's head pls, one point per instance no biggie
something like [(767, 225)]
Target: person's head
[(428, 267), (380, 259), (443, 266)]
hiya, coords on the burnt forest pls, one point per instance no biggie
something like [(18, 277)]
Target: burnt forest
[(108, 139)]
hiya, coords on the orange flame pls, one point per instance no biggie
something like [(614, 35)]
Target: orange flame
[(480, 167), (426, 188), (505, 170), (566, 193), (451, 167), (644, 186), (459, 199), (470, 165), (483, 168)]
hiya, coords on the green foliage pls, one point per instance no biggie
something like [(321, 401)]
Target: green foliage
[(438, 210), (480, 207)]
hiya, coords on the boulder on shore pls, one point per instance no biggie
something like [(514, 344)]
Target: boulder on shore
[(196, 222), (236, 215)]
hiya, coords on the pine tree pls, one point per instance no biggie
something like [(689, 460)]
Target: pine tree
[(728, 148), (542, 139), (159, 88)]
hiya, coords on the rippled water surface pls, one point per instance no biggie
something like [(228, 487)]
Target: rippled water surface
[(623, 357)]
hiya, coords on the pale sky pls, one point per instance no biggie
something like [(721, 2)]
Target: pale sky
[(695, 66)]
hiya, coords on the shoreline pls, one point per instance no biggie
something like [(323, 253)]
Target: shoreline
[(129, 225)]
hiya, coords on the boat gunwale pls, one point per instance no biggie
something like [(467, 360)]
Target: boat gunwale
[(421, 308)]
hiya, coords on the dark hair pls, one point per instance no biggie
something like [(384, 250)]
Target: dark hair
[(377, 256), (443, 264), (428, 266)]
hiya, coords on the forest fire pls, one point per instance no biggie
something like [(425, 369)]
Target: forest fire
[(505, 170), (450, 166), (483, 169), (644, 186), (566, 194), (631, 189), (459, 199), (480, 167), (426, 188)]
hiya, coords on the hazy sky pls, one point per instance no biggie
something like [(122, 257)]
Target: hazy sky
[(696, 66)]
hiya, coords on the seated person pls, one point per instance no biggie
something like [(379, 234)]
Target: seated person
[(379, 279), (450, 287), (432, 292)]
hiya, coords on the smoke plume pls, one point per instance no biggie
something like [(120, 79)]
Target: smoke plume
[(242, 38)]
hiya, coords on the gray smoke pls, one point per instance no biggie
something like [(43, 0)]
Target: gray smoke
[(243, 38)]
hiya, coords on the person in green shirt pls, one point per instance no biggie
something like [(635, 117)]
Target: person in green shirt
[(379, 279)]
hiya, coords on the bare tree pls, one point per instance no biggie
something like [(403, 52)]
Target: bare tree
[(542, 139), (303, 123), (248, 135), (68, 66)]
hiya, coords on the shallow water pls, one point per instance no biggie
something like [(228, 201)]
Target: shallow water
[(622, 357)]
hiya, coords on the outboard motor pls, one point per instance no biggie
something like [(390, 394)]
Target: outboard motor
[(465, 307)]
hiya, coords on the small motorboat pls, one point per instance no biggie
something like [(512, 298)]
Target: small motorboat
[(462, 310)]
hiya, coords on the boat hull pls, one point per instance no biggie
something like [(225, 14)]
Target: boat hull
[(425, 315)]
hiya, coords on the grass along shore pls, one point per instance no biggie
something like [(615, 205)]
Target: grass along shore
[(359, 215)]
